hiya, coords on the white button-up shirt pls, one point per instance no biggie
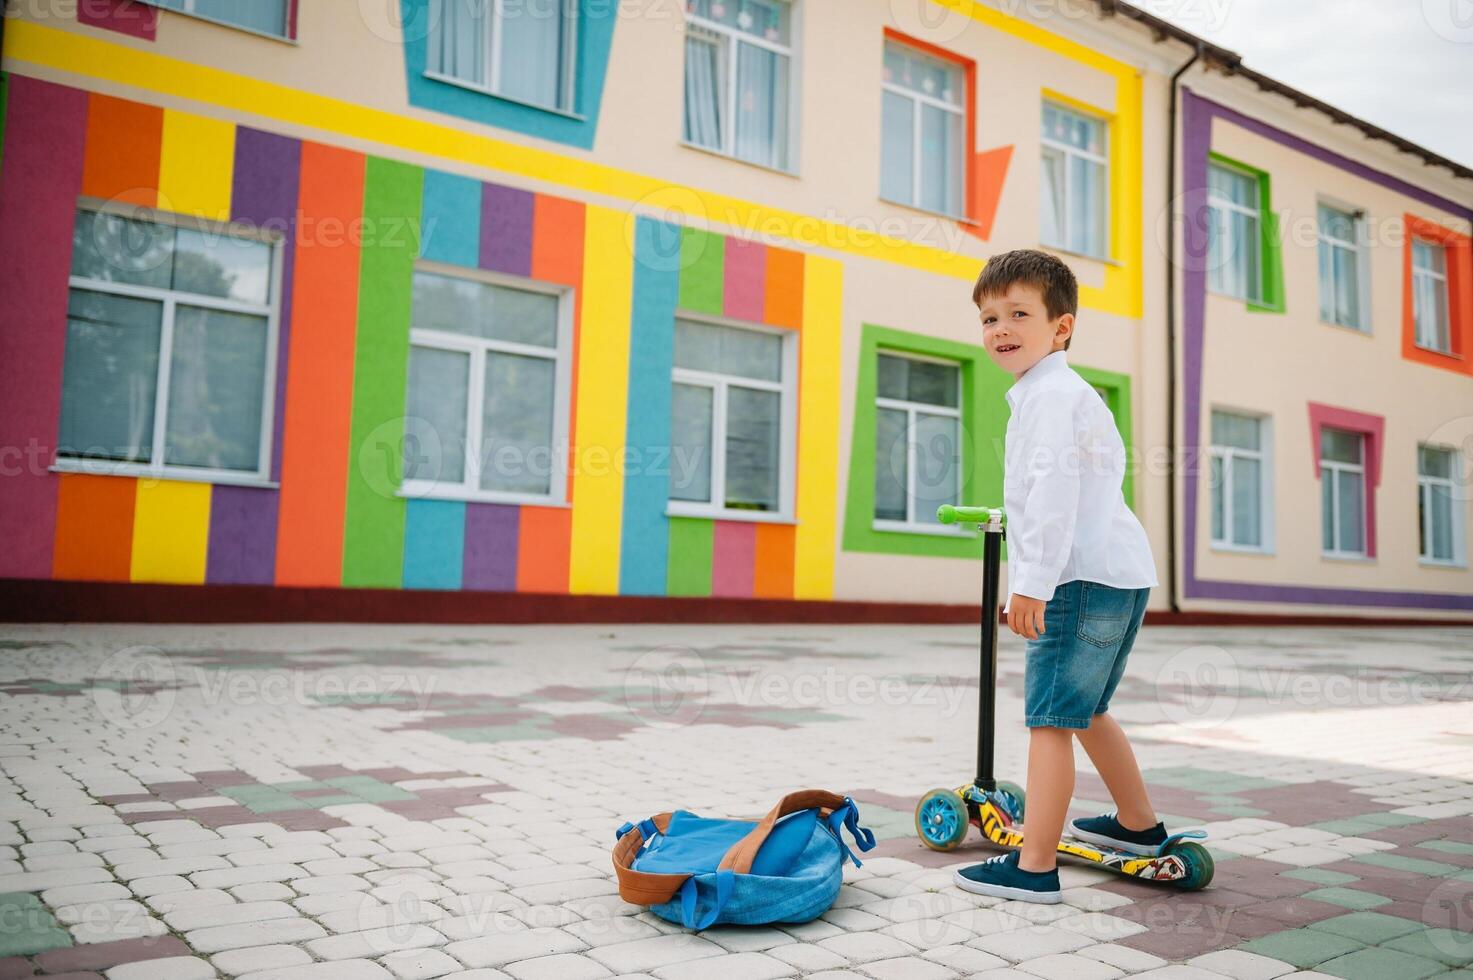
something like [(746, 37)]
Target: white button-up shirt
[(1063, 468)]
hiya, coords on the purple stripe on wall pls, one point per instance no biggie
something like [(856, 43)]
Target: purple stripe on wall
[(267, 171), (1197, 116), (1301, 145), (490, 562), (45, 129), (745, 289), (243, 520), (132, 17), (506, 229), (242, 535)]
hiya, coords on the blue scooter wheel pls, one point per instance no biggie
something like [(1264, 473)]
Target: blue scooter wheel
[(1199, 865), (1013, 798), (941, 819)]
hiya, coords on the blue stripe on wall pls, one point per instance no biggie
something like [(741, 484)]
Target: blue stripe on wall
[(434, 544), (452, 219), (646, 532)]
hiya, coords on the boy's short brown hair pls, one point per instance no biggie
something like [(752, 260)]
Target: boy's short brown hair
[(1046, 273)]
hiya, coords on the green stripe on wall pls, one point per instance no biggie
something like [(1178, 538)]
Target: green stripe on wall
[(690, 556), (702, 271), (373, 539)]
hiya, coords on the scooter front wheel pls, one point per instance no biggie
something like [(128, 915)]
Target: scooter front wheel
[(1198, 861), (941, 819)]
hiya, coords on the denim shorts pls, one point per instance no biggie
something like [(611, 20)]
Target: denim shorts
[(1074, 666)]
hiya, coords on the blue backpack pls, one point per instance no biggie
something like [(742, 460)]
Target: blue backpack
[(699, 872)]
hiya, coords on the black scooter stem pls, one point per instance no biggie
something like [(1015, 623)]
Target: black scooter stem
[(987, 673)]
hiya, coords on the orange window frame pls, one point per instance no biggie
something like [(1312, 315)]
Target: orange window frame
[(1459, 249), (971, 205)]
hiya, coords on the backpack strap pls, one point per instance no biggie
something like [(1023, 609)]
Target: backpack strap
[(641, 887), (740, 856)]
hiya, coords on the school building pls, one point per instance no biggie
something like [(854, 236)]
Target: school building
[(574, 309)]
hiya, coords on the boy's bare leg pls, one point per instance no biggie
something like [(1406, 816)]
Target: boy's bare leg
[(1111, 754), (1050, 785)]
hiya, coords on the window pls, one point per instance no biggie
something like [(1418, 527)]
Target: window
[(1342, 293), (1429, 295), (923, 131), (1342, 492), (1234, 234), (1239, 481), (737, 65), (1073, 181), (516, 49), (170, 350), (263, 16), (731, 421), (487, 398), (1439, 509), (917, 440)]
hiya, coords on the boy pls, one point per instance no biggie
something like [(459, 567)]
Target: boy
[(1079, 572)]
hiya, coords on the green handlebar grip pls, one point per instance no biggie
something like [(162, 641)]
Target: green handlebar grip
[(947, 514)]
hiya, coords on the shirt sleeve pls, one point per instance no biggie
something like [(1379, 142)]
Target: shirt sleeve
[(1040, 544)]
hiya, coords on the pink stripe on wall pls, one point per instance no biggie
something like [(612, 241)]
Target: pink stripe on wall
[(45, 128), (733, 558), (746, 280), (131, 17)]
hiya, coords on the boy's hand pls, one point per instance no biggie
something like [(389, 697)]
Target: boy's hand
[(1025, 616)]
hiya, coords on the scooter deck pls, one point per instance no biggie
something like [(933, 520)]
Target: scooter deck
[(1166, 867)]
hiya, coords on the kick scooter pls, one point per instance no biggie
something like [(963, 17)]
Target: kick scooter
[(994, 806)]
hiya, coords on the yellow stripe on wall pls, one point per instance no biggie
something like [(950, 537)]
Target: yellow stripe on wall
[(171, 531), (196, 165), (93, 57), (603, 392), (818, 429)]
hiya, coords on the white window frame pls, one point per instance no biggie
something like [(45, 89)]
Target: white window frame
[(188, 11), (910, 525), (469, 488), (1265, 457), (1331, 469), (920, 99), (1102, 159), (1439, 280), (156, 468), (731, 37), (719, 383), (1357, 246), (490, 83), (1459, 532), (1255, 212)]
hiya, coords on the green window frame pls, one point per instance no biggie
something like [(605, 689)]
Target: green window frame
[(984, 417), (982, 383), (1114, 388), (1270, 243)]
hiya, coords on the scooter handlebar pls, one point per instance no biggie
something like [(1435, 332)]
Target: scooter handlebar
[(948, 514)]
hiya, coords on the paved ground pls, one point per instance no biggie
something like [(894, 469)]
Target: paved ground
[(347, 802)]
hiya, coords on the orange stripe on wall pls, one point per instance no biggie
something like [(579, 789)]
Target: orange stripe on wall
[(773, 568), (319, 382), (121, 160), (94, 527), (784, 302), (544, 542), (557, 256)]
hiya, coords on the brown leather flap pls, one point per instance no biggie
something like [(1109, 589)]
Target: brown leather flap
[(641, 887), (741, 855)]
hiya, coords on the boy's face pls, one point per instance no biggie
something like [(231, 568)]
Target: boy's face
[(1017, 331)]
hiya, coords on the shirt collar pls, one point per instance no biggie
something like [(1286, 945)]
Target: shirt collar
[(1049, 364)]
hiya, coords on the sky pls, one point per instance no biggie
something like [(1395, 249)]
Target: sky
[(1404, 65)]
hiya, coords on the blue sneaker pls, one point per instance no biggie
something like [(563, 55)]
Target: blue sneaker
[(1109, 831), (1001, 877)]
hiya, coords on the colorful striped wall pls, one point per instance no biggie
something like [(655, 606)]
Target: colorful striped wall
[(352, 227)]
